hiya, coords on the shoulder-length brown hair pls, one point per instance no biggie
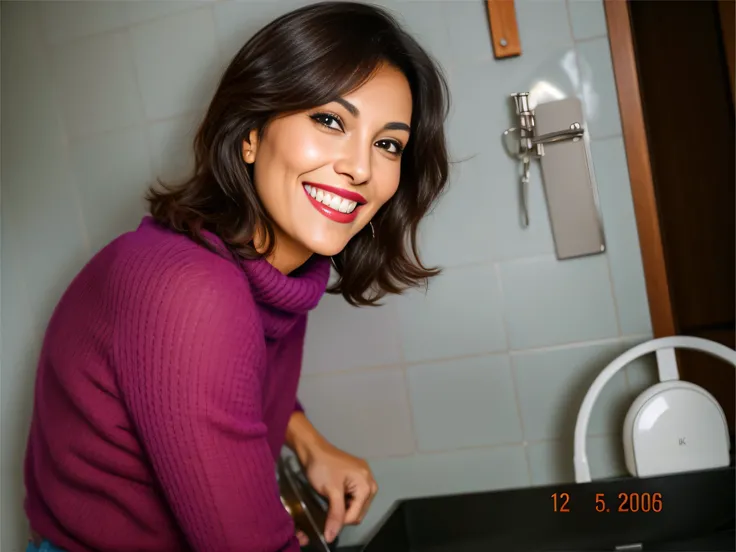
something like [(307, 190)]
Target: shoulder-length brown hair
[(304, 59)]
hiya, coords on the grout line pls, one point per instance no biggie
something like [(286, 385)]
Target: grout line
[(612, 286), (195, 5), (46, 48), (404, 373), (604, 137), (590, 38), (142, 106), (511, 353), (480, 448), (412, 421), (569, 345), (145, 122), (568, 13), (502, 298), (348, 371), (512, 369)]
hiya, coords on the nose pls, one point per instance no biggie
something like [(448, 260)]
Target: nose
[(355, 161)]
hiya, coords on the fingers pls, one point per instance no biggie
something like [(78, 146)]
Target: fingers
[(360, 499), (335, 513), (302, 538), (374, 491)]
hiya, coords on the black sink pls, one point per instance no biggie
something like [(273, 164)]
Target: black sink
[(693, 511)]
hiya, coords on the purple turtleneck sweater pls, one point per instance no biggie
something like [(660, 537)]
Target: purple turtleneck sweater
[(167, 378)]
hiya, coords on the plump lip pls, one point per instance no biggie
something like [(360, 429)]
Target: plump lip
[(332, 214), (347, 194)]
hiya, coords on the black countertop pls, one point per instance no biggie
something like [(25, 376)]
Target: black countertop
[(693, 511)]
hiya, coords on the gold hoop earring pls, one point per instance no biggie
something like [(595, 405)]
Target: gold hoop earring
[(373, 232)]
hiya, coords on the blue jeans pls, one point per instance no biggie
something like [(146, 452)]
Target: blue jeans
[(46, 546)]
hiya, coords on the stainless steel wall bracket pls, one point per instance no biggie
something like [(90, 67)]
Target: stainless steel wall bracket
[(553, 132)]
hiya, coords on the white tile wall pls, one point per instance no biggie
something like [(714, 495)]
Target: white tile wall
[(472, 385)]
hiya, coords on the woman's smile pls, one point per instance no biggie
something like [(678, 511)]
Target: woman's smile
[(336, 204)]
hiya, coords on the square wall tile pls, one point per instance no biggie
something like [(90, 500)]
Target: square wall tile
[(153, 9), (642, 373), (97, 84), (598, 88), (551, 302), (627, 273), (551, 462), (552, 384), (53, 235), (458, 230), (468, 33), (459, 314), (425, 21), (612, 178), (66, 21), (542, 25), (366, 413), (21, 334), (43, 236), (466, 471), (112, 175), (341, 337), (31, 113), (478, 218), (464, 403), (177, 63), (236, 22), (588, 19), (171, 145)]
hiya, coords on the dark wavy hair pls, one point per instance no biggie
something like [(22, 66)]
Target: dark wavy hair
[(304, 59)]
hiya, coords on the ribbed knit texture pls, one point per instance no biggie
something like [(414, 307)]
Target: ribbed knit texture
[(166, 380)]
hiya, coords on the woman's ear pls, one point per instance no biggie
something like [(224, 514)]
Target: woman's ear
[(250, 146)]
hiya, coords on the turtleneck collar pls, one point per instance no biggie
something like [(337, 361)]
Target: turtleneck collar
[(281, 299)]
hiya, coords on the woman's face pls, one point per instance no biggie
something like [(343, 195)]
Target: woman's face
[(322, 174)]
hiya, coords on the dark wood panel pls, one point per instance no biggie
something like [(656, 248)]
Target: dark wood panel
[(626, 75), (689, 117)]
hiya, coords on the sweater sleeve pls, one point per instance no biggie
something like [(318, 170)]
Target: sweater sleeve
[(188, 358)]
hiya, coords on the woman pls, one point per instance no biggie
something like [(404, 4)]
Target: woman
[(167, 382)]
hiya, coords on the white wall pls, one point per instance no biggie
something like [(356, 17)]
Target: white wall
[(473, 386)]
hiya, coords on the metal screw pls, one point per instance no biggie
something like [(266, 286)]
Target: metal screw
[(503, 42)]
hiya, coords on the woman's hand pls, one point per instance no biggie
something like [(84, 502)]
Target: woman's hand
[(345, 480)]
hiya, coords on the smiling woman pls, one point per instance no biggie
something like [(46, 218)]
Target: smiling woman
[(167, 382), (340, 98)]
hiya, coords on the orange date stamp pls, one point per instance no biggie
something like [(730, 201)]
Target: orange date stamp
[(620, 502)]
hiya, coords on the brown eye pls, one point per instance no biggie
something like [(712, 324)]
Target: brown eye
[(325, 119), (390, 146)]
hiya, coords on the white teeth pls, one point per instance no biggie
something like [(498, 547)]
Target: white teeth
[(345, 205), (333, 201)]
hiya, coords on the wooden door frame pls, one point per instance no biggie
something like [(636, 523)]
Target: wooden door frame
[(640, 170)]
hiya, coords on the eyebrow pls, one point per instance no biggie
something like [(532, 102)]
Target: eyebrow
[(355, 113)]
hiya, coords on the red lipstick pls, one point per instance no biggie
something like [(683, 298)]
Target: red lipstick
[(347, 194), (329, 212)]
